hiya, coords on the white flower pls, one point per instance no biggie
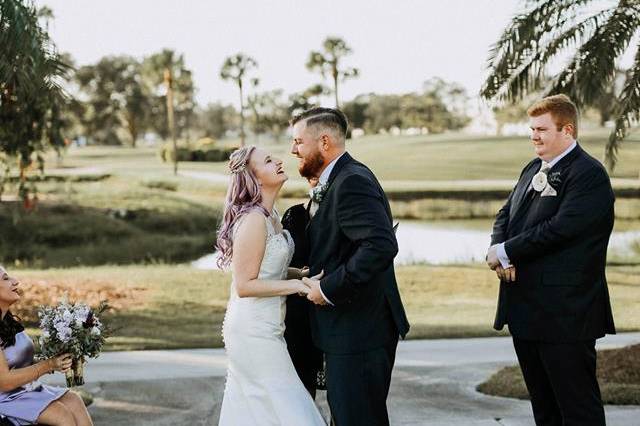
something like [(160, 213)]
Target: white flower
[(539, 181), (64, 334), (95, 331), (67, 316), (64, 331), (82, 312), (46, 334)]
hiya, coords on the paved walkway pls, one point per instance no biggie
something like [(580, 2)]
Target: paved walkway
[(433, 384)]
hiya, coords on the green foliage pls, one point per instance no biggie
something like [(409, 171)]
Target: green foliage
[(440, 107), (596, 32), (195, 152), (235, 68), (328, 63), (153, 68), (270, 114), (31, 99), (71, 235), (308, 98), (116, 100), (216, 119), (161, 184)]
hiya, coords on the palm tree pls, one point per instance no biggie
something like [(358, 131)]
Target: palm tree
[(328, 62), (595, 32), (31, 99), (235, 68)]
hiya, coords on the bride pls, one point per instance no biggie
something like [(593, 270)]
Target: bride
[(262, 385)]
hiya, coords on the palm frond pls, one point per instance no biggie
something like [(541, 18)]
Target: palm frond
[(522, 38), (593, 66), (627, 113), (530, 75)]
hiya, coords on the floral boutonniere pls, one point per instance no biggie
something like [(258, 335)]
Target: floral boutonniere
[(318, 192)]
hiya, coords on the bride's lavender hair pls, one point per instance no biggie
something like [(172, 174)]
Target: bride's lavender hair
[(243, 196)]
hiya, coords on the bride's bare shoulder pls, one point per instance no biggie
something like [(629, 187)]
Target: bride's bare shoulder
[(251, 224)]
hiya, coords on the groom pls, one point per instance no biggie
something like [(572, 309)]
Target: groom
[(549, 249), (359, 316)]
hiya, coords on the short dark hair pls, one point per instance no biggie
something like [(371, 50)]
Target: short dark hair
[(329, 117)]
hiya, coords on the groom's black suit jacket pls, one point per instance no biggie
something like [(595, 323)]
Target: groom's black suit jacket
[(558, 245), (351, 238)]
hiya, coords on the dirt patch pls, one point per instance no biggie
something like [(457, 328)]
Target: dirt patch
[(618, 375), (37, 292)]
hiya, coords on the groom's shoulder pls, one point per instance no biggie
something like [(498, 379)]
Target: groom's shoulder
[(355, 170)]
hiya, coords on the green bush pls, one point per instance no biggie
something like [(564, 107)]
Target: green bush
[(199, 151), (160, 184), (65, 235)]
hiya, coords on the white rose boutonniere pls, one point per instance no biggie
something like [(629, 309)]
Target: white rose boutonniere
[(539, 181)]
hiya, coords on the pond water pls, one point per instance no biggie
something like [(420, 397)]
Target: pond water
[(457, 242)]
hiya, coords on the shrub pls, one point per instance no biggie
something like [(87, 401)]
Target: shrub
[(203, 150), (160, 184)]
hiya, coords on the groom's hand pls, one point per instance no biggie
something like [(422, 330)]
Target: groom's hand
[(507, 275), (492, 257), (315, 295)]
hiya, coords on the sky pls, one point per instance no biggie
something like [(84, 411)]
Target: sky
[(397, 45)]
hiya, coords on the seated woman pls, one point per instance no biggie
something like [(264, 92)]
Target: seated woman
[(23, 400)]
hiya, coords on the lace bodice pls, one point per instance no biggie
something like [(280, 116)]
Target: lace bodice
[(278, 252)]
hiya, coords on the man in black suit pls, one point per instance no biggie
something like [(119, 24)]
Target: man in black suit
[(549, 248), (359, 316)]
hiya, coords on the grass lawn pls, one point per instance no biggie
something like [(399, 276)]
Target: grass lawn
[(618, 375), (425, 176), (393, 158), (175, 306)]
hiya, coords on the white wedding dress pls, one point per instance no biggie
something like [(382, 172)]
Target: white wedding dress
[(262, 386)]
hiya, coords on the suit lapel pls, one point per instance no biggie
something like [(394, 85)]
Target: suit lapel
[(526, 198), (521, 191), (342, 161)]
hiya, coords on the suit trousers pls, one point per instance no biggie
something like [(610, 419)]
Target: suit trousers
[(561, 380), (358, 385)]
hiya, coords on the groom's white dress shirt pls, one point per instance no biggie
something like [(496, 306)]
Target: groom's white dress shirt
[(322, 180), (502, 254)]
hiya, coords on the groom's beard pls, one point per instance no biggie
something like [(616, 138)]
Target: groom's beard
[(310, 167)]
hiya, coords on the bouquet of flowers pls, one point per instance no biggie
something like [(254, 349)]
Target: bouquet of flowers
[(72, 328)]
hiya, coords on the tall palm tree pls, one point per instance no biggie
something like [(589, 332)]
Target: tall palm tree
[(328, 63), (31, 98), (596, 33), (235, 68)]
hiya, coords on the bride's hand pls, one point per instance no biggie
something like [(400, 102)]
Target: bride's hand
[(301, 288)]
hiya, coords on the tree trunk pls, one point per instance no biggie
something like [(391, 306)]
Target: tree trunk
[(335, 86), (133, 129), (242, 134), (168, 80)]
